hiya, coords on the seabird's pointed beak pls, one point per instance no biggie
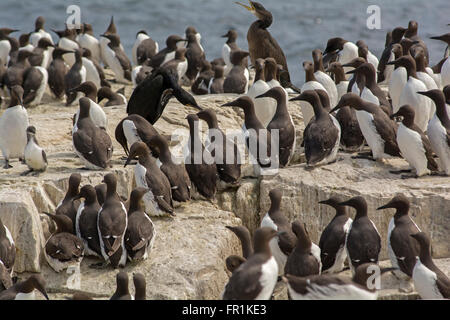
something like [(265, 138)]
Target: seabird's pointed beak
[(436, 38), (391, 62), (335, 108), (249, 8), (224, 36), (384, 270), (264, 95), (44, 293), (325, 201), (230, 104), (297, 98), (386, 206), (424, 93), (127, 162), (351, 71)]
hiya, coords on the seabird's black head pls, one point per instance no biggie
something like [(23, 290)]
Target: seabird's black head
[(104, 93), (59, 52), (407, 112), (87, 192), (406, 44), (397, 34), (358, 203), (85, 106), (17, 94), (87, 28), (243, 102), (233, 262), (190, 30), (88, 88), (231, 35), (310, 96), (39, 23), (261, 239), (334, 202), (35, 281), (138, 149), (334, 44), (399, 202), (303, 240), (31, 132), (64, 224), (136, 202), (7, 31), (355, 63), (444, 37), (209, 115), (349, 99), (24, 39), (397, 50), (172, 40), (335, 67), (238, 57), (139, 286), (44, 43), (110, 180)]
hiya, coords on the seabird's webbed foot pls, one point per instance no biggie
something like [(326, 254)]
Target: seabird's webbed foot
[(25, 173), (408, 176), (364, 156), (22, 160), (438, 174), (400, 171), (7, 165)]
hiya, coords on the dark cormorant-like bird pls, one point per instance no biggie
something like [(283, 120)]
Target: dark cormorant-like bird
[(261, 44), (151, 96)]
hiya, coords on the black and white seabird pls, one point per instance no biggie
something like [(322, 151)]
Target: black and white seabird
[(332, 239), (115, 98), (322, 134), (69, 205), (57, 72), (100, 190), (94, 72), (180, 184), (151, 96), (96, 113), (414, 144), (15, 74), (140, 233), (87, 40), (402, 249), (237, 79), (5, 45), (39, 32), (282, 245), (166, 54), (194, 55), (245, 238), (311, 83), (304, 260), (103, 41), (86, 221), (336, 69), (363, 51), (91, 143), (384, 70), (122, 292), (421, 70), (429, 281), (229, 46), (256, 278), (35, 156), (139, 286), (34, 85), (323, 78), (201, 84), (199, 163), (144, 47), (216, 83), (264, 108), (179, 64), (255, 133), (7, 249), (282, 121), (116, 59), (363, 242), (25, 290), (13, 126), (42, 53), (346, 50), (6, 281), (422, 106), (376, 126), (63, 249), (334, 287), (112, 224), (67, 41), (147, 174), (439, 129), (445, 65), (221, 147), (132, 129), (261, 44), (73, 78)]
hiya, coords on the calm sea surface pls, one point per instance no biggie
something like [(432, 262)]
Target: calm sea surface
[(299, 25)]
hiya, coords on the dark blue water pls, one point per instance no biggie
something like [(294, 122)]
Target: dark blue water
[(299, 25)]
